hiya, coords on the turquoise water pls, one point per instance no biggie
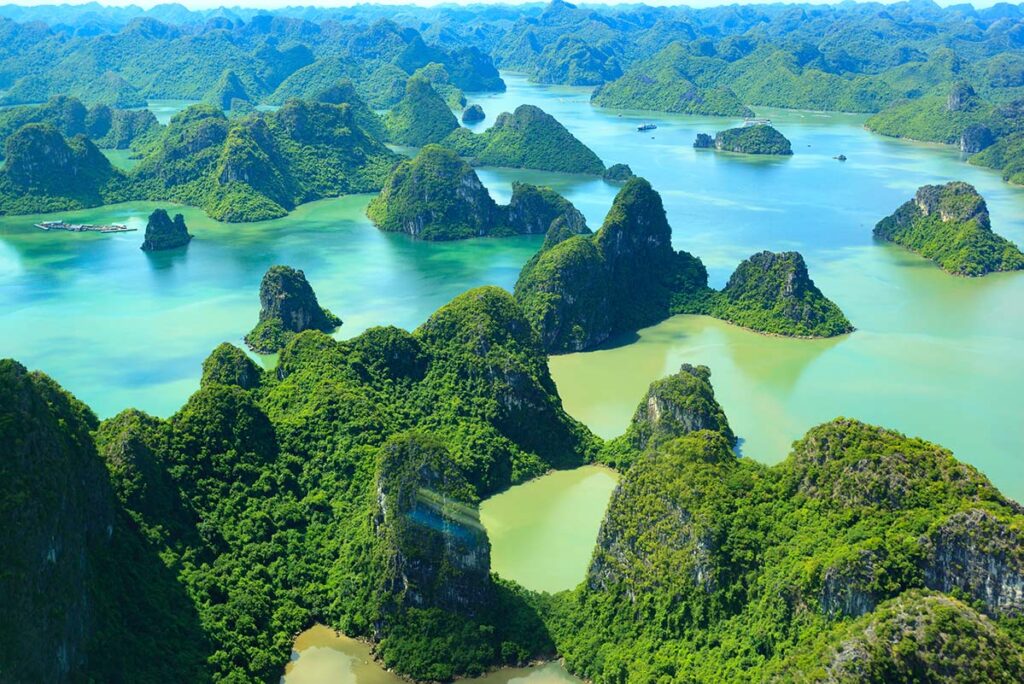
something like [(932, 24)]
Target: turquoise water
[(934, 355)]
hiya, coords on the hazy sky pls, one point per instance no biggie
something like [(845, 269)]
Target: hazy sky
[(205, 4)]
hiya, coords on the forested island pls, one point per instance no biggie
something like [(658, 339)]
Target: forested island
[(528, 138), (342, 485), (162, 232), (950, 225), (438, 196), (581, 291), (756, 138), (355, 451)]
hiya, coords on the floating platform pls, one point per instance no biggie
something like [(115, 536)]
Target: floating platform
[(84, 227)]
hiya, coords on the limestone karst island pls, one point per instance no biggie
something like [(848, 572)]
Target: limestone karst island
[(637, 383)]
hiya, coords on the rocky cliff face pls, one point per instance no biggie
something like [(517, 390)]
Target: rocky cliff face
[(678, 405), (975, 138), (57, 514), (704, 142), (962, 97), (288, 305), (687, 535), (916, 637), (433, 551), (673, 407), (956, 201), (978, 554), (163, 233)]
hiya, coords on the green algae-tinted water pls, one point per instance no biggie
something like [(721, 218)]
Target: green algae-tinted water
[(542, 532), (322, 656), (934, 355)]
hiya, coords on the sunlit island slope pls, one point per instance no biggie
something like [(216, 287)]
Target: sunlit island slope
[(865, 556), (582, 291), (663, 83), (753, 139), (438, 196), (421, 116), (342, 488), (528, 138), (247, 168), (950, 225)]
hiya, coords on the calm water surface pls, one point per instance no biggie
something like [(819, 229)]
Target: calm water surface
[(322, 656), (933, 355), (543, 532)]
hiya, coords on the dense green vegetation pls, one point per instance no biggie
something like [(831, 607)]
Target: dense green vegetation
[(528, 138), (78, 573), (342, 488), (263, 59), (572, 61), (438, 196), (288, 306), (618, 173), (991, 133), (663, 84), (754, 139), (260, 166), (106, 127), (473, 113), (421, 117), (674, 406), (950, 225), (773, 293), (226, 91), (581, 291), (249, 168), (43, 172), (1006, 155), (934, 118), (435, 196), (442, 84), (713, 568), (344, 92)]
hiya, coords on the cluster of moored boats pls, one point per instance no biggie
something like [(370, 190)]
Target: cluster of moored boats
[(84, 227)]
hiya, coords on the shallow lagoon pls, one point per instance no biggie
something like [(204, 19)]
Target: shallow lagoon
[(543, 532), (934, 355), (321, 655)]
